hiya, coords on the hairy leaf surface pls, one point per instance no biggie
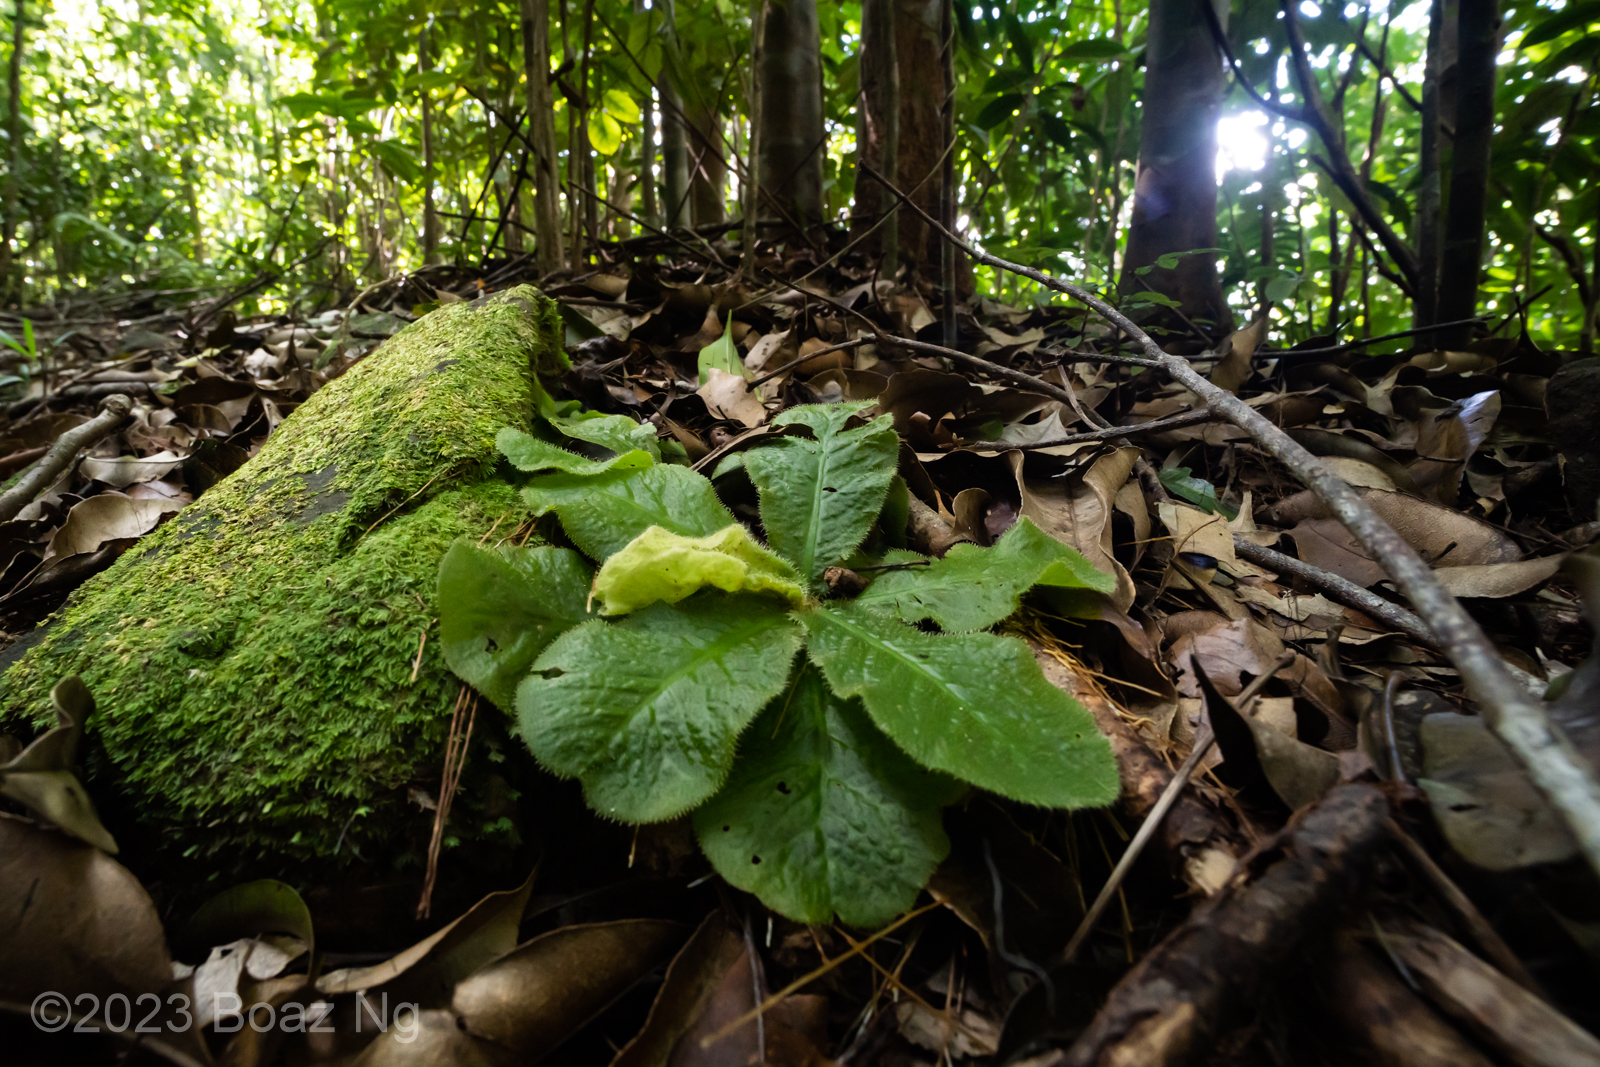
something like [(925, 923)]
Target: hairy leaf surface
[(645, 711), (973, 588), (616, 432), (602, 514), (527, 453), (499, 608), (823, 814), (662, 565), (973, 705), (820, 496)]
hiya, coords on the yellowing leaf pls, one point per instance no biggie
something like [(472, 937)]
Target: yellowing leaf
[(662, 565)]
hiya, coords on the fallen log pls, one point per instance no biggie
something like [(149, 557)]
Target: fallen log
[(1190, 988), (256, 660)]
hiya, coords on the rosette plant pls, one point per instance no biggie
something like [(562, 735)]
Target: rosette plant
[(679, 664)]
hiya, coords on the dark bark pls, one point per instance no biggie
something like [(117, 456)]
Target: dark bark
[(8, 197), (1462, 247), (430, 214), (1175, 193), (1425, 310), (878, 131), (708, 171), (947, 173), (648, 208), (1170, 1009), (921, 129), (790, 167), (542, 133)]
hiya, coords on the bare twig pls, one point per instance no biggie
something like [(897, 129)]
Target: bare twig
[(1108, 433), (1343, 590), (1297, 353), (1152, 821), (1560, 773), (113, 409)]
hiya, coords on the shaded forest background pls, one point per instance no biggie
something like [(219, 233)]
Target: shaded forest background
[(1372, 156)]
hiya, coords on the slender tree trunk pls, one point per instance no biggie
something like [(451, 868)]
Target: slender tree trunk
[(648, 207), (430, 215), (947, 174), (583, 150), (9, 193), (1469, 172), (878, 131), (1425, 310), (548, 253), (921, 126), (674, 135), (191, 200), (752, 183), (708, 170), (1175, 194), (790, 167)]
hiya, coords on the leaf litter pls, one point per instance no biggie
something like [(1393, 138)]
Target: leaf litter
[(645, 956)]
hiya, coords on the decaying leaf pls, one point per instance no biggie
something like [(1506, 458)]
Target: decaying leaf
[(44, 775)]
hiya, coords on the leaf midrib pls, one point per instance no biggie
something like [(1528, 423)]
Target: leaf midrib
[(862, 633)]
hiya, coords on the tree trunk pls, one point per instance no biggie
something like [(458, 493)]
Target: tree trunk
[(708, 170), (790, 168), (1175, 193), (878, 132), (947, 172), (648, 207), (430, 215), (921, 127), (1425, 309), (750, 190), (8, 196), (1462, 261)]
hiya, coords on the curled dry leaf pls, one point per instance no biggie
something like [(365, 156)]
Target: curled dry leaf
[(1078, 510), (43, 776)]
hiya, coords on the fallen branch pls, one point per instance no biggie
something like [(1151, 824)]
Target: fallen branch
[(1343, 590), (1108, 433), (113, 409), (1557, 770), (1170, 1009)]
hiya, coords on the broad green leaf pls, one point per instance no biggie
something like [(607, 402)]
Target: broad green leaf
[(722, 355), (820, 495), (603, 513), (662, 565), (645, 712), (1572, 17), (605, 132), (972, 705), (499, 608), (1095, 48), (528, 453), (823, 814), (396, 156), (616, 432), (1180, 481), (623, 106), (973, 588)]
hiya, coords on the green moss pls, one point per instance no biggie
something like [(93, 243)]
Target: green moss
[(252, 660)]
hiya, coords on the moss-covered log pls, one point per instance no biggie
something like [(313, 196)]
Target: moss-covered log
[(252, 660)]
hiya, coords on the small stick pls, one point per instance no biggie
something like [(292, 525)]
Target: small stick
[(1109, 433), (1496, 949), (113, 409), (765, 378), (1152, 821), (1343, 590), (1296, 353)]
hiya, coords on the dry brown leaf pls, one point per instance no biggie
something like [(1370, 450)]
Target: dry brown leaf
[(686, 990), (106, 517), (729, 396), (1498, 579), (1078, 511)]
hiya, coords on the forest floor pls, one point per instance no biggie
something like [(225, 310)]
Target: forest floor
[(1356, 867)]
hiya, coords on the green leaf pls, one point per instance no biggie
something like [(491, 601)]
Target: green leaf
[(722, 355), (1181, 482), (397, 158), (820, 495), (998, 110), (973, 588), (823, 814), (621, 105), (1096, 48), (972, 705), (528, 453), (619, 433), (499, 608), (645, 712), (605, 132), (662, 565), (602, 514), (1573, 16)]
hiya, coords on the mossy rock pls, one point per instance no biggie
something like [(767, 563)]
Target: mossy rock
[(252, 660)]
